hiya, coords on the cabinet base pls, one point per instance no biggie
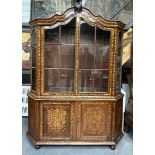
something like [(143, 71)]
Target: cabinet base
[(46, 127), (39, 143)]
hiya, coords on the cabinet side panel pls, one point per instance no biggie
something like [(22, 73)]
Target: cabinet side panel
[(118, 117), (33, 118)]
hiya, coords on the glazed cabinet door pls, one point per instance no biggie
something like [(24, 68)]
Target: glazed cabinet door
[(94, 121), (94, 60), (57, 121), (59, 59)]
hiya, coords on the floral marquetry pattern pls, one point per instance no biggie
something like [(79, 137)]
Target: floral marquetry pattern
[(94, 116), (58, 120), (94, 120)]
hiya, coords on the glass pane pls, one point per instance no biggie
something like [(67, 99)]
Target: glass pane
[(102, 37), (33, 37), (33, 56), (34, 79), (52, 82), (33, 42), (59, 58), (119, 57), (101, 80), (118, 85), (102, 57), (86, 56), (68, 33), (67, 56), (51, 56), (85, 81), (52, 35), (87, 33), (120, 39), (119, 64), (66, 80)]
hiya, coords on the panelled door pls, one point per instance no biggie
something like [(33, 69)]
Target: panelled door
[(57, 121), (93, 121)]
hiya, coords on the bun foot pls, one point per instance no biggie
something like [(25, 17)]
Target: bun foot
[(112, 147), (37, 147)]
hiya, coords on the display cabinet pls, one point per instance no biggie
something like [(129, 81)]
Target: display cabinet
[(75, 96)]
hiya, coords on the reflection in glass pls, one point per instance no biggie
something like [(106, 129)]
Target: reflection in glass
[(102, 57), (34, 79), (33, 37), (101, 72), (52, 82), (33, 56), (52, 35), (85, 81), (102, 37), (120, 39), (68, 33), (119, 64), (67, 57), (66, 80), (86, 56), (101, 80), (51, 56), (59, 58), (87, 33), (119, 57), (94, 59)]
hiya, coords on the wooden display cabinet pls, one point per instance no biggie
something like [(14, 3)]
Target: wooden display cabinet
[(75, 96)]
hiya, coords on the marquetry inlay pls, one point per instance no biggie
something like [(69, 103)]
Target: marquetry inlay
[(81, 112)]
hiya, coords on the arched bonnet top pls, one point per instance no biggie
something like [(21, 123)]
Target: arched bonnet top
[(71, 13)]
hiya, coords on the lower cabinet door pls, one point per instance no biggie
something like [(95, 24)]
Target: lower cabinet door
[(93, 121), (57, 121)]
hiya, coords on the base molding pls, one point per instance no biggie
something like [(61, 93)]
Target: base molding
[(45, 143)]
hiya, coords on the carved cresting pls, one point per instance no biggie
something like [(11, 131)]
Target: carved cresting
[(78, 5)]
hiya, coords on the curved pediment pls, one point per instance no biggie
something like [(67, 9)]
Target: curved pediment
[(99, 20), (68, 15), (71, 13)]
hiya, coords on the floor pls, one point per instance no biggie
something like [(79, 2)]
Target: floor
[(124, 147)]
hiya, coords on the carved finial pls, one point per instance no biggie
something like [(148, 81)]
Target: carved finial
[(78, 5)]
